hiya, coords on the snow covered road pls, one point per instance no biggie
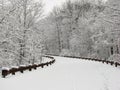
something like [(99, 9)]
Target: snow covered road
[(66, 74)]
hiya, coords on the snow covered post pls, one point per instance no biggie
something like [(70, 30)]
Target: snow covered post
[(103, 61), (5, 72), (42, 65), (21, 68), (47, 63), (35, 66), (13, 70), (107, 62), (30, 67), (116, 64), (112, 62)]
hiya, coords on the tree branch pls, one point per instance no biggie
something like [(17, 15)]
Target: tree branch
[(113, 8)]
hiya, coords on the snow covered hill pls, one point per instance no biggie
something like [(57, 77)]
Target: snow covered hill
[(66, 74)]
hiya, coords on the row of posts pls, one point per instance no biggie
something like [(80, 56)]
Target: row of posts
[(23, 68)]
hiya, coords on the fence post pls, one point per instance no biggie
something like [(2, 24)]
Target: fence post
[(103, 61), (5, 73), (116, 64)]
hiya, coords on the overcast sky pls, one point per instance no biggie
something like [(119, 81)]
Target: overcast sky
[(49, 4)]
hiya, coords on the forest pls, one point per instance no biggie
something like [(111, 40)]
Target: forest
[(84, 28)]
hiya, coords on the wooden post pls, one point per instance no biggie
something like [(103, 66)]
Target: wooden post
[(116, 64), (5, 73)]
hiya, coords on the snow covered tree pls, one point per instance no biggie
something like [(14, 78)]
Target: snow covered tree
[(18, 22), (56, 18), (108, 33), (74, 25)]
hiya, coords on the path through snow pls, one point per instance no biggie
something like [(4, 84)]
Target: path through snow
[(66, 74)]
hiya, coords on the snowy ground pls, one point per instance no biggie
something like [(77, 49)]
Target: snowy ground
[(66, 74)]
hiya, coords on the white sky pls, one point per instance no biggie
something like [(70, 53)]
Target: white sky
[(49, 4)]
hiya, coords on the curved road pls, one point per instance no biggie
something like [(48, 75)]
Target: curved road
[(66, 74)]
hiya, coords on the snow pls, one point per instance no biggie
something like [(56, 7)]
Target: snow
[(14, 67), (23, 65), (45, 59), (66, 74), (5, 68)]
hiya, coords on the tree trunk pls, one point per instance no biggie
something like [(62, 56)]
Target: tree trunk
[(59, 38)]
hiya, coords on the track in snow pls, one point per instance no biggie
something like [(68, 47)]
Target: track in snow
[(66, 74)]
